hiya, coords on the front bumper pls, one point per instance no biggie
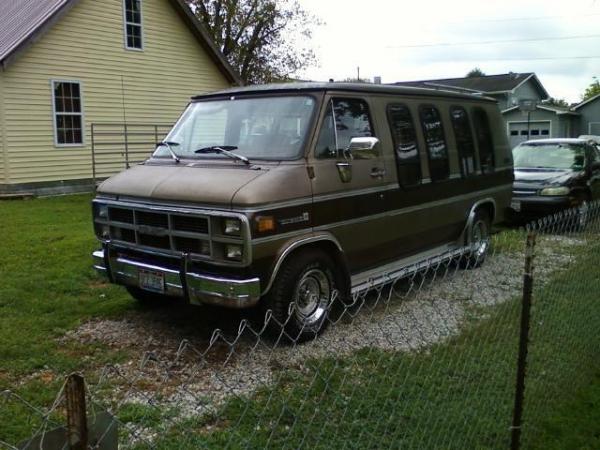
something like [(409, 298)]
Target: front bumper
[(198, 288), (538, 205)]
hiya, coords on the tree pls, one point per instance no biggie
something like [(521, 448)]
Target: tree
[(259, 38), (476, 72), (592, 90), (551, 101)]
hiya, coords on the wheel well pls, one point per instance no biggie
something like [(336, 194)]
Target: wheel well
[(490, 208), (328, 247)]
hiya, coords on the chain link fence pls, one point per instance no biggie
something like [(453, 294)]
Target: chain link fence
[(451, 354)]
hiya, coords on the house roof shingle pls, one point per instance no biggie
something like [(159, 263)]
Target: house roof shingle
[(22, 21), (487, 84)]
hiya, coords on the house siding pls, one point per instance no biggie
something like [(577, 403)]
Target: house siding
[(87, 45), (590, 113)]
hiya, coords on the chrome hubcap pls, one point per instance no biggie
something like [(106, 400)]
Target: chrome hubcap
[(480, 240), (312, 296)]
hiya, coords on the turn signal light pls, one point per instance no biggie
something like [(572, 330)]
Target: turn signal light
[(265, 223)]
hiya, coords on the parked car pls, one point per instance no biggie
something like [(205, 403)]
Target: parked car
[(591, 139), (555, 174), (286, 193)]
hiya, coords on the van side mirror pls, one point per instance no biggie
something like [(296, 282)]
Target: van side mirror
[(363, 148)]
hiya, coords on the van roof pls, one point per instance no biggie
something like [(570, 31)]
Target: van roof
[(346, 87)]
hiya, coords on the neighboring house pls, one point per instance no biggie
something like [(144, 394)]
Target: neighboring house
[(510, 90), (68, 64), (507, 88), (590, 116)]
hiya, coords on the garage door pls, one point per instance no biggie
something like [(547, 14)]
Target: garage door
[(517, 131)]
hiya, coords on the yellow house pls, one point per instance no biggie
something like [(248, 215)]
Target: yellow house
[(68, 67)]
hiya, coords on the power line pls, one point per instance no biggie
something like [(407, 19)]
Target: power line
[(530, 59), (505, 41), (521, 19)]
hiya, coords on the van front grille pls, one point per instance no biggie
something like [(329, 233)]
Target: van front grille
[(160, 230)]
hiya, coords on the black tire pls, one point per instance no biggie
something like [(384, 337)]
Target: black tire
[(146, 297), (300, 298), (478, 238)]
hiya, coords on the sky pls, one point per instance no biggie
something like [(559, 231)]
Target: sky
[(400, 40)]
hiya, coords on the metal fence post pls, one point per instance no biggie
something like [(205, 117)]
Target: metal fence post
[(523, 341), (76, 412)]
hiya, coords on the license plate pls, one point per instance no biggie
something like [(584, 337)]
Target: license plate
[(516, 205), (152, 281)]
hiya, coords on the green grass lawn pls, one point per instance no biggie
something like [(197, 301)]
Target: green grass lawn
[(458, 394), (47, 288)]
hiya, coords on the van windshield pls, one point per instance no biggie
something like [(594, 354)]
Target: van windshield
[(272, 128), (549, 156)]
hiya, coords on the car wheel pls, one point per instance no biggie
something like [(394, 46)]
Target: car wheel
[(146, 297), (478, 240), (301, 295)]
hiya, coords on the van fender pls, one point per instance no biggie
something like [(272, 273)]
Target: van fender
[(298, 243), (471, 216)]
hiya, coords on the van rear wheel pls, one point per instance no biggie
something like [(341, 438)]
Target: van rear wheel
[(478, 240), (300, 298)]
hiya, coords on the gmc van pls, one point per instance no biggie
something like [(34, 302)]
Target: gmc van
[(281, 195)]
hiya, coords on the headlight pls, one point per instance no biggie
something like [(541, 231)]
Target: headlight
[(232, 226), (234, 252), (563, 190), (102, 232), (102, 211)]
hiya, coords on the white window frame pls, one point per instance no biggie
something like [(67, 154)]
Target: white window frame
[(55, 113), (140, 25)]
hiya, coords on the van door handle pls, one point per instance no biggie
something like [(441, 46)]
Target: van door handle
[(377, 172)]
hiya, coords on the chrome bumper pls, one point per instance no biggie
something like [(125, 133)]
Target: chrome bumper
[(201, 289)]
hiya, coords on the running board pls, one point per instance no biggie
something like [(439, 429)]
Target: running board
[(404, 267)]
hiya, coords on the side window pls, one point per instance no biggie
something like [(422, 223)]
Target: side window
[(436, 142), (484, 139), (345, 119), (406, 147), (68, 113), (464, 140), (133, 24)]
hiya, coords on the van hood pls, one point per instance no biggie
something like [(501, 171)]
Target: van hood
[(210, 184)]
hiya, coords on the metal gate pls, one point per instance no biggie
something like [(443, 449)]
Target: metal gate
[(116, 146)]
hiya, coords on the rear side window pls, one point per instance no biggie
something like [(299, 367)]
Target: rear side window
[(437, 149), (483, 133), (464, 140), (406, 147), (345, 119)]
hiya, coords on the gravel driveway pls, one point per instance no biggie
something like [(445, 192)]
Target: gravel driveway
[(179, 362)]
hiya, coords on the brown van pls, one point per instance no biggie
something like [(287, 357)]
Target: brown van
[(284, 194)]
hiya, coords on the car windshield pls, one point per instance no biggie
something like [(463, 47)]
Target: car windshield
[(272, 128), (549, 156)]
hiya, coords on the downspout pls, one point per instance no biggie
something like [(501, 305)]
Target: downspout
[(4, 143)]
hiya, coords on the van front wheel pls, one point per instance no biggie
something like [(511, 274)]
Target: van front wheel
[(301, 295)]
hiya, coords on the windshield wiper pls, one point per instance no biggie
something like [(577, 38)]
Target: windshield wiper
[(168, 144), (225, 150)]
